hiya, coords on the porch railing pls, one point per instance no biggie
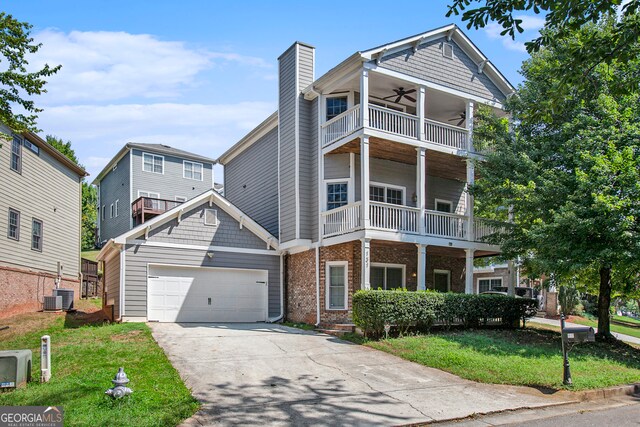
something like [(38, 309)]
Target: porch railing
[(443, 224), (341, 220), (445, 134), (341, 125), (394, 217), (392, 121), (484, 228), (144, 208)]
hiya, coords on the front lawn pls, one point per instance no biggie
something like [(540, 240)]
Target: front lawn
[(86, 355), (529, 357), (615, 327)]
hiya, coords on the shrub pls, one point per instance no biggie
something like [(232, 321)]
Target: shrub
[(569, 298), (420, 310)]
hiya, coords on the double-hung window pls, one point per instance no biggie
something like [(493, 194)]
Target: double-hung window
[(489, 283), (387, 276), (192, 170), (337, 289), (104, 212), (16, 154), (14, 224), (116, 208), (336, 106), (152, 163), (36, 235), (112, 211), (337, 194), (386, 194)]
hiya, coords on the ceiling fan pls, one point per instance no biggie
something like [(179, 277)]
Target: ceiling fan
[(462, 118), (401, 93)]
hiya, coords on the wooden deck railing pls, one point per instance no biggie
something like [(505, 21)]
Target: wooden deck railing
[(144, 208)]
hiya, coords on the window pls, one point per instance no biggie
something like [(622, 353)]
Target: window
[(443, 205), (336, 106), (111, 213), (210, 217), (14, 224), (149, 194), (103, 212), (31, 147), (337, 285), (447, 50), (181, 199), (387, 276), (442, 280), (337, 194), (16, 154), (117, 202), (386, 194), (488, 284), (36, 235), (150, 204), (152, 163), (192, 170)]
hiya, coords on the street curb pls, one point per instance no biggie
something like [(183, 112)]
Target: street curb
[(606, 393)]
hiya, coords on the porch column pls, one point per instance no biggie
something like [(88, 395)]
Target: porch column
[(469, 125), (366, 263), (364, 180), (420, 187), (364, 97), (422, 267), (511, 287), (468, 287), (470, 202), (421, 110)]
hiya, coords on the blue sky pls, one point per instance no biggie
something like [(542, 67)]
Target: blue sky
[(198, 75)]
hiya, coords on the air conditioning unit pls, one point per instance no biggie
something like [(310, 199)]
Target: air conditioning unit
[(15, 368), (53, 303), (67, 298)]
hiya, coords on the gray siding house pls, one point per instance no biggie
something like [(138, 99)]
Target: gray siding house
[(143, 180), (40, 209)]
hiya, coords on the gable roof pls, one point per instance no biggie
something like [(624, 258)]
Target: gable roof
[(153, 148), (213, 197), (51, 150), (258, 132)]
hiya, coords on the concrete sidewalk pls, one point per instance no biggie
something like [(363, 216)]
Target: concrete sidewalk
[(552, 322), (266, 374)]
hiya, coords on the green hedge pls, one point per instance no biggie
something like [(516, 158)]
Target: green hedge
[(405, 310)]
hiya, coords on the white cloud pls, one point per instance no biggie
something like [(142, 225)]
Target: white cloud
[(529, 24), (98, 132), (107, 66)]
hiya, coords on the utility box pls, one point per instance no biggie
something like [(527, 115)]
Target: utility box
[(15, 368), (578, 334), (53, 303), (67, 298)]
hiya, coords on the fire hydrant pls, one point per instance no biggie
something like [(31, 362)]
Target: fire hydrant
[(119, 388)]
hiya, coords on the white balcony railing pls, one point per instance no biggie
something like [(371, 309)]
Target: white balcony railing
[(344, 219), (393, 121), (394, 217), (483, 228), (341, 125), (443, 224), (445, 134)]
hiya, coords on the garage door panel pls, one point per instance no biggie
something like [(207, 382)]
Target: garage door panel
[(179, 294)]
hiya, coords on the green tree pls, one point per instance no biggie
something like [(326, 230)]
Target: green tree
[(571, 171), (89, 196), (15, 80)]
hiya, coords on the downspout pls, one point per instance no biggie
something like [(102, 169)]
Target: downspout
[(317, 285)]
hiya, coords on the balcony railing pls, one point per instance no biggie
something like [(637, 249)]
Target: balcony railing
[(144, 208), (404, 219), (395, 123)]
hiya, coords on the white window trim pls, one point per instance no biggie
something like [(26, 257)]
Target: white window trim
[(393, 187), (447, 272), (350, 102), (452, 50), (444, 202), (149, 194), (181, 199), (487, 278), (111, 210), (153, 155), (103, 213), (327, 279), (116, 207), (337, 181), (184, 170), (216, 216), (385, 265)]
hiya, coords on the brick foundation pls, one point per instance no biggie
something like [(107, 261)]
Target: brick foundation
[(301, 287), (22, 291)]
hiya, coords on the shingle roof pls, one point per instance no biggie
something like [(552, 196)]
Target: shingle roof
[(162, 148)]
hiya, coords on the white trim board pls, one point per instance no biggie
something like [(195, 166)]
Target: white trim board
[(327, 283), (205, 248)]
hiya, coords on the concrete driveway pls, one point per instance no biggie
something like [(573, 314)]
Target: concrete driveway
[(266, 374)]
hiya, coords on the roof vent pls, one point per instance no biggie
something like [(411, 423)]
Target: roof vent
[(447, 50)]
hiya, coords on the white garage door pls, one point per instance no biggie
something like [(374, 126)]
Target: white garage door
[(200, 294)]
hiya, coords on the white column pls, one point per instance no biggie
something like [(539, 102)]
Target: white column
[(422, 267), (366, 263), (364, 180), (468, 287), (470, 202), (421, 110), (420, 186), (469, 115), (364, 97)]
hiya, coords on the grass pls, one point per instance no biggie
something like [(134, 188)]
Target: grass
[(90, 255), (305, 326), (528, 357), (86, 354), (615, 327), (630, 321)]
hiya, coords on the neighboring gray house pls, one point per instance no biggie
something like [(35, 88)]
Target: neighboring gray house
[(40, 211), (144, 180)]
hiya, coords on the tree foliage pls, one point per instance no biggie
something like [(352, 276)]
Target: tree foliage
[(89, 196), (571, 171), (16, 80)]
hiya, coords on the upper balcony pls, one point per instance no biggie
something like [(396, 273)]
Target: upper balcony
[(145, 208)]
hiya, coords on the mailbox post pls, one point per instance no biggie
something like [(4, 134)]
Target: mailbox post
[(575, 335)]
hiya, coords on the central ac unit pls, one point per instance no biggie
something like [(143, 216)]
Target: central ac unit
[(67, 298), (15, 368), (53, 303)]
